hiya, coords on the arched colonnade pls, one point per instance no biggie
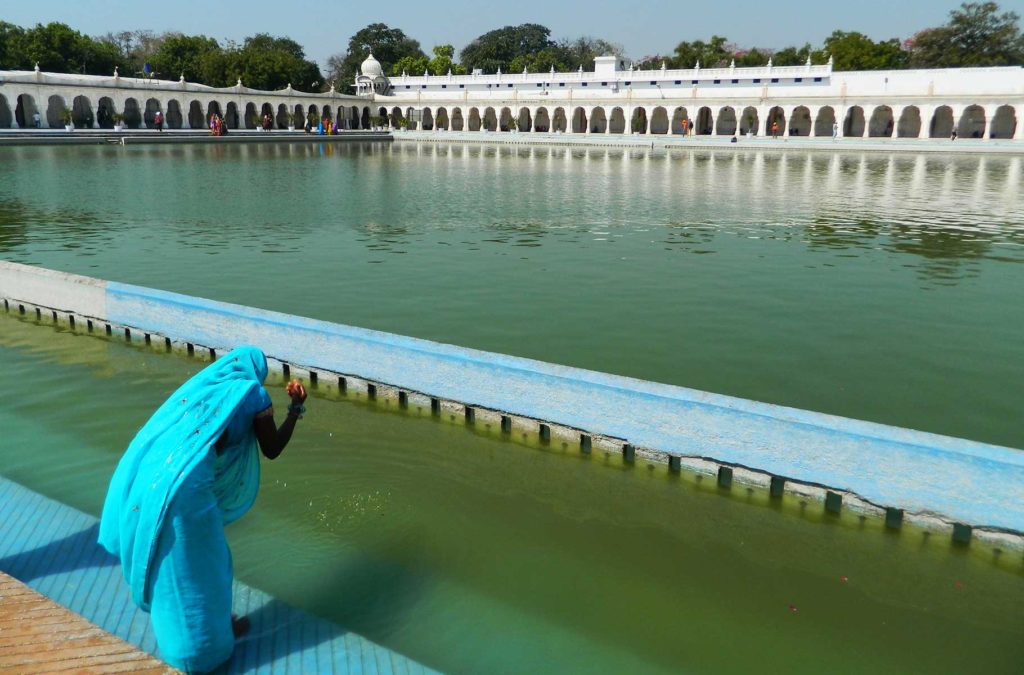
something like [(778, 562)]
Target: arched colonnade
[(138, 111), (1001, 121)]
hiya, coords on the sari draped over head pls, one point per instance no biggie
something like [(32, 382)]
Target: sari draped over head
[(177, 439)]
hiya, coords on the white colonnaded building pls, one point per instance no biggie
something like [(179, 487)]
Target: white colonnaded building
[(615, 98)]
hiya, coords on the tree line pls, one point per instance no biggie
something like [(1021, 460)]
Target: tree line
[(976, 34)]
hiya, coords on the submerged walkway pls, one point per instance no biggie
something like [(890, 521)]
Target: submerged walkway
[(52, 548)]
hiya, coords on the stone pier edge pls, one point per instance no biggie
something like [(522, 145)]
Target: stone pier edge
[(960, 487)]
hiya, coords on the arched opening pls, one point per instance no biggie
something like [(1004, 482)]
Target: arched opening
[(617, 121), (231, 120), (313, 115), (800, 121), (825, 121), (559, 123), (542, 123), (350, 119), (505, 120), (909, 125), (195, 115), (281, 119), (1004, 123), (775, 125), (299, 118), (659, 121), (105, 113), (705, 122), (853, 125), (81, 113), (250, 119), (972, 122), (638, 123), (881, 124), (749, 123), (396, 118), (458, 123), (364, 120), (428, 119), (411, 123), (267, 116), (726, 125), (54, 110), (212, 108), (382, 117), (474, 119), (149, 116), (525, 122), (174, 118), (942, 123), (579, 121), (132, 114), (679, 115), (598, 123), (442, 119), (24, 111), (327, 114), (6, 116), (490, 121)]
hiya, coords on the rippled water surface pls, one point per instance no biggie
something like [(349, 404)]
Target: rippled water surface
[(877, 287), (475, 554)]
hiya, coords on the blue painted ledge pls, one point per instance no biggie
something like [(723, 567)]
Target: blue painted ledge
[(959, 480), (52, 548)]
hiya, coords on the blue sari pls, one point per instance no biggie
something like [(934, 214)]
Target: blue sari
[(170, 497)]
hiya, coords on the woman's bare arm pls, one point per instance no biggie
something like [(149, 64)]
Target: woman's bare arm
[(273, 439)]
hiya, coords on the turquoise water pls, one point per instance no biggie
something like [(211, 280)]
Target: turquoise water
[(475, 554), (880, 287)]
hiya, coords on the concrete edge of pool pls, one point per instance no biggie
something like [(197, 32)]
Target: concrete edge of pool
[(963, 487), (52, 548), (178, 137)]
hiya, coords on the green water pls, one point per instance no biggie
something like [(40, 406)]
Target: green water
[(873, 286), (474, 554)]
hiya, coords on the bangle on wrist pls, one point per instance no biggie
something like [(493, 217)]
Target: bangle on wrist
[(296, 410)]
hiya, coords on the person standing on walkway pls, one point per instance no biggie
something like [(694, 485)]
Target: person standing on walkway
[(36, 119), (775, 129), (191, 469), (158, 120)]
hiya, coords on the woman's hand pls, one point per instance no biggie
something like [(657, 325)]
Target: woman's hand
[(296, 391)]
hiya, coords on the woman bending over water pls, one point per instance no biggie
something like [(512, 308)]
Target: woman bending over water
[(190, 470)]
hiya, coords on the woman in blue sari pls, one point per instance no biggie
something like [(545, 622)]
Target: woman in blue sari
[(190, 470)]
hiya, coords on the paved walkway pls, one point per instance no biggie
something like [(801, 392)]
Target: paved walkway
[(37, 635), (52, 548)]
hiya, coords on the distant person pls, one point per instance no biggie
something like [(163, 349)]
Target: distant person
[(191, 469), (952, 136), (835, 131), (308, 126), (775, 129), (158, 120), (36, 119)]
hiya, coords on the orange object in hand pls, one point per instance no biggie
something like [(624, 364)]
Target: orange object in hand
[(292, 388)]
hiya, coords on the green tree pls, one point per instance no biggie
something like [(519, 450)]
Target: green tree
[(272, 63), (499, 48), (712, 54), (11, 57), (583, 50), (187, 55), (792, 56), (56, 47), (411, 65), (444, 60), (388, 45), (856, 51), (976, 35)]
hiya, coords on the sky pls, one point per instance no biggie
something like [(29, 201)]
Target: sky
[(642, 27)]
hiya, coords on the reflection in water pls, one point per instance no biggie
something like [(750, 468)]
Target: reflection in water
[(762, 275)]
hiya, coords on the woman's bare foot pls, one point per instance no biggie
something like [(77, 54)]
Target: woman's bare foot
[(239, 625)]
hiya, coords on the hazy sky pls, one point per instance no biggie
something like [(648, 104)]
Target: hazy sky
[(643, 27)]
